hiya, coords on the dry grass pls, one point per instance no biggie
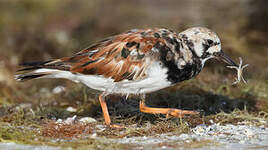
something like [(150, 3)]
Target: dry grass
[(63, 130)]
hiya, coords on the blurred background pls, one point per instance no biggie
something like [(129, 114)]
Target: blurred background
[(32, 30)]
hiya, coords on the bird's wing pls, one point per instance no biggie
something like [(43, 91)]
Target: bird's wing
[(119, 57)]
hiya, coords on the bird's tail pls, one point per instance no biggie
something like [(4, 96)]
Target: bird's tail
[(33, 70)]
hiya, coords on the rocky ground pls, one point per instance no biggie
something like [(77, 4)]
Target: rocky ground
[(202, 137), (236, 130)]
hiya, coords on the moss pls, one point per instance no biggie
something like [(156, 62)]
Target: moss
[(240, 116), (19, 134)]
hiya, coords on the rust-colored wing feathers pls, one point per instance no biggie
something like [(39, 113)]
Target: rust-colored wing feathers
[(119, 57), (124, 56)]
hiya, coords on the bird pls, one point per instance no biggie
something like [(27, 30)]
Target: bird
[(138, 61)]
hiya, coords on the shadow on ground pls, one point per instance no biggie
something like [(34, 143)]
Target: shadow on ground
[(204, 102)]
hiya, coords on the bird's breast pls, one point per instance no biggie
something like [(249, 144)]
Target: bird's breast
[(183, 64), (188, 71)]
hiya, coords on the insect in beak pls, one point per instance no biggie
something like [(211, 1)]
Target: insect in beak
[(239, 68)]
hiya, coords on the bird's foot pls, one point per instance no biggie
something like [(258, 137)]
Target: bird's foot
[(167, 111), (179, 113)]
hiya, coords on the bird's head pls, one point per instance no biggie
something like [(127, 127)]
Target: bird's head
[(205, 44)]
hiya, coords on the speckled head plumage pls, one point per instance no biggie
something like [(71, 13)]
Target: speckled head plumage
[(204, 42)]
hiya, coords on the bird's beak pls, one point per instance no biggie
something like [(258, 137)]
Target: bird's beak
[(222, 56)]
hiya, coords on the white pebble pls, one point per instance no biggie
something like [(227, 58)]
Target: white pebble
[(71, 109), (87, 120), (249, 133), (59, 121), (58, 89), (70, 120)]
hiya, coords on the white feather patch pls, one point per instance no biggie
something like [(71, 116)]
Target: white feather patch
[(156, 79)]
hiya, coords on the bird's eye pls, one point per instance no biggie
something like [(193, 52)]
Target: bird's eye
[(210, 42)]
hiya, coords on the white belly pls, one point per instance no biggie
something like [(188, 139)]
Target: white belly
[(155, 80)]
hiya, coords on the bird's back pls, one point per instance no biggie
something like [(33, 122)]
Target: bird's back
[(136, 61)]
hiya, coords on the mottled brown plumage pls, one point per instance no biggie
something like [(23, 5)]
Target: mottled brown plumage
[(123, 56)]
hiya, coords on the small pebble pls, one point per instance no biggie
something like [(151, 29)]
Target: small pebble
[(69, 120), (94, 135), (184, 136), (188, 141), (242, 142), (200, 130), (59, 121), (211, 121), (58, 89), (87, 120), (249, 133), (71, 109)]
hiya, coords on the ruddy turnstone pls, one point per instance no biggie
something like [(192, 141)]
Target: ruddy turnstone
[(138, 61)]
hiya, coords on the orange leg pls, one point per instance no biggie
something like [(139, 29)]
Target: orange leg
[(105, 110), (167, 111), (106, 113)]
